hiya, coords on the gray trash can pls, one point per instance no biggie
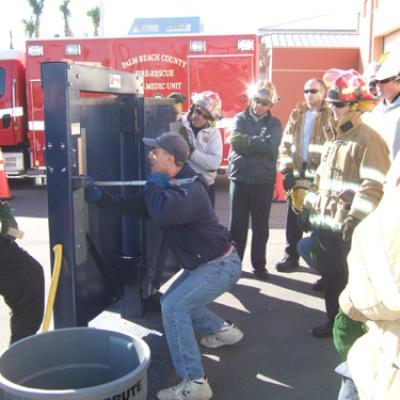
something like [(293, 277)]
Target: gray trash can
[(75, 363)]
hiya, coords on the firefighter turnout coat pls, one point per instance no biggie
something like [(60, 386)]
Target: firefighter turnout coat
[(373, 294), (356, 160), (290, 150)]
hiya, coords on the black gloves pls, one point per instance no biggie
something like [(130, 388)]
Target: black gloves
[(239, 141), (185, 134), (288, 180), (348, 227), (303, 220)]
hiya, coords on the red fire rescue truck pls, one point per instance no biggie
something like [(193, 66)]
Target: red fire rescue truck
[(180, 64)]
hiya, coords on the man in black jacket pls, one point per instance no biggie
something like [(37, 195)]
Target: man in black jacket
[(21, 280), (252, 172), (176, 198)]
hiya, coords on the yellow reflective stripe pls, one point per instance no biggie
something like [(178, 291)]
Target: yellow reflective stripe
[(363, 205), (311, 198), (286, 160), (372, 174), (338, 186), (315, 148), (310, 173), (288, 139), (325, 221), (296, 173)]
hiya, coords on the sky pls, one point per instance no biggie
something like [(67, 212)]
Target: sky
[(217, 16)]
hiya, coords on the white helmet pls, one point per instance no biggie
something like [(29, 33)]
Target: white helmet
[(390, 67), (209, 101)]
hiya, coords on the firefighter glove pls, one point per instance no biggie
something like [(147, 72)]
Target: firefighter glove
[(348, 227), (92, 192), (239, 141), (185, 134), (303, 220), (7, 221), (288, 180), (157, 179)]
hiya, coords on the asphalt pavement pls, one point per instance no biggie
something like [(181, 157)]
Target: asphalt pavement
[(277, 359)]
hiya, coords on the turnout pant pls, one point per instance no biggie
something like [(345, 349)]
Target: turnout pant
[(293, 233), (332, 257), (250, 200), (22, 286)]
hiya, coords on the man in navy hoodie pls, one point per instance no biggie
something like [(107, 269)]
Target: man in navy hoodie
[(176, 198)]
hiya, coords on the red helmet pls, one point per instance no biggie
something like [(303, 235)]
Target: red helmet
[(346, 86), (210, 101)]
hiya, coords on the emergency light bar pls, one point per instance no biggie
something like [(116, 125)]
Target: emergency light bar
[(73, 49), (36, 50), (197, 46)]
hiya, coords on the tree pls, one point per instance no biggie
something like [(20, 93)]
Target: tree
[(64, 8), (29, 27), (94, 14), (37, 9)]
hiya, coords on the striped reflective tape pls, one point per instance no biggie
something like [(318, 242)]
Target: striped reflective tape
[(36, 125), (363, 205), (14, 112), (372, 174), (315, 148), (334, 185)]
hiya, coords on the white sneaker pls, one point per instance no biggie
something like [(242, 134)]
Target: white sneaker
[(187, 390), (227, 335)]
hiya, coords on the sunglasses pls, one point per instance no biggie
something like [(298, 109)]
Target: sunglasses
[(313, 91), (261, 101), (201, 113), (387, 80), (339, 104)]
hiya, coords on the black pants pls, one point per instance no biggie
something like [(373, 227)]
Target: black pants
[(332, 258), (293, 233), (250, 200), (22, 286), (211, 194)]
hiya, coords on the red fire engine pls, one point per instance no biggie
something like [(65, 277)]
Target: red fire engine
[(180, 64)]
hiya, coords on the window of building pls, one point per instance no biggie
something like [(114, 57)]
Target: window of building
[(2, 81)]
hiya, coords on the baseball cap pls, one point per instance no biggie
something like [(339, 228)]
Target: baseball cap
[(172, 143)]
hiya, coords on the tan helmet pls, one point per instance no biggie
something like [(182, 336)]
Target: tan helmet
[(265, 90), (297, 194)]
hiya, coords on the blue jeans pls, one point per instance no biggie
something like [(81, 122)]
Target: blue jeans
[(348, 390), (184, 310), (304, 247)]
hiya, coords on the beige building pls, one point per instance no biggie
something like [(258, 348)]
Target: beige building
[(379, 28)]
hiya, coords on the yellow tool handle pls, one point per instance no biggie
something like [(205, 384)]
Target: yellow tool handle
[(53, 286)]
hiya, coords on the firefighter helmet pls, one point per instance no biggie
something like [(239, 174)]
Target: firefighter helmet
[(346, 86), (265, 90), (390, 67), (209, 101)]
